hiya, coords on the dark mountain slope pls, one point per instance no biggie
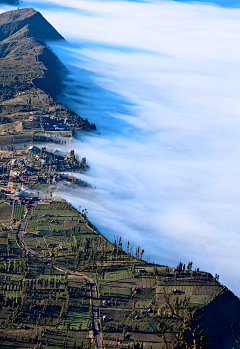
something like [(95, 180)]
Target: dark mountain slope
[(220, 314), (25, 58), (27, 62), (38, 27)]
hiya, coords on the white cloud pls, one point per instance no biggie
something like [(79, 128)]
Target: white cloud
[(161, 82)]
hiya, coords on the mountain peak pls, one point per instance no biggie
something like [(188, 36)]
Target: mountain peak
[(39, 28), (16, 15)]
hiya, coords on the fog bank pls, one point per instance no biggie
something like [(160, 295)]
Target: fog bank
[(161, 82)]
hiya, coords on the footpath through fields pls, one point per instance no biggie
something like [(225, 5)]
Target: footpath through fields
[(94, 292)]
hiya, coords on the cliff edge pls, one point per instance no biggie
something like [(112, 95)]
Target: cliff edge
[(28, 64), (24, 55), (38, 27)]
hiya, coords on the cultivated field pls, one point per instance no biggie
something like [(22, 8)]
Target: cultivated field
[(45, 304), (5, 213)]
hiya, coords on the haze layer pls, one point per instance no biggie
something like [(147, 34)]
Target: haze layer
[(161, 82)]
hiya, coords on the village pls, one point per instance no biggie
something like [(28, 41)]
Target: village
[(39, 170), (33, 116), (48, 123)]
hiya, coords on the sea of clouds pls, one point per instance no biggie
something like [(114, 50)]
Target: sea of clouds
[(161, 80)]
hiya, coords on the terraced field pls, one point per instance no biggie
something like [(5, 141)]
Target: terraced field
[(41, 303), (19, 211), (131, 291), (5, 213)]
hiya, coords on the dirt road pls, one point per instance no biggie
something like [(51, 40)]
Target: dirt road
[(94, 291)]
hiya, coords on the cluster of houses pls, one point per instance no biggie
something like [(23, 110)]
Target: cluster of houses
[(37, 172), (17, 200), (48, 123), (55, 159), (37, 166), (58, 179)]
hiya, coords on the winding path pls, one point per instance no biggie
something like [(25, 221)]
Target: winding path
[(94, 292)]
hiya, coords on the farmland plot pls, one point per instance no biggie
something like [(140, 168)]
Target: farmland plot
[(5, 213)]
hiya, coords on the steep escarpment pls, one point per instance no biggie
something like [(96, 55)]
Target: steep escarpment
[(38, 27), (25, 58), (221, 316), (27, 64)]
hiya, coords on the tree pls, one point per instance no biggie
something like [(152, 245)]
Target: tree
[(189, 266), (72, 157), (1, 300), (180, 324), (180, 267), (128, 244), (79, 326)]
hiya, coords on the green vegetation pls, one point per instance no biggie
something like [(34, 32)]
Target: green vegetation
[(20, 27), (131, 291), (40, 302), (5, 214), (44, 306), (30, 79), (19, 212)]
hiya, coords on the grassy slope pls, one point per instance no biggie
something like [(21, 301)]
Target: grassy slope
[(24, 54), (27, 64), (40, 303), (67, 228), (36, 293)]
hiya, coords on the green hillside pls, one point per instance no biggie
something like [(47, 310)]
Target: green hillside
[(46, 305), (25, 58), (30, 74), (64, 284)]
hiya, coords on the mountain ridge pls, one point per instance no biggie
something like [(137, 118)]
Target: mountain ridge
[(24, 54), (27, 64), (13, 21)]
